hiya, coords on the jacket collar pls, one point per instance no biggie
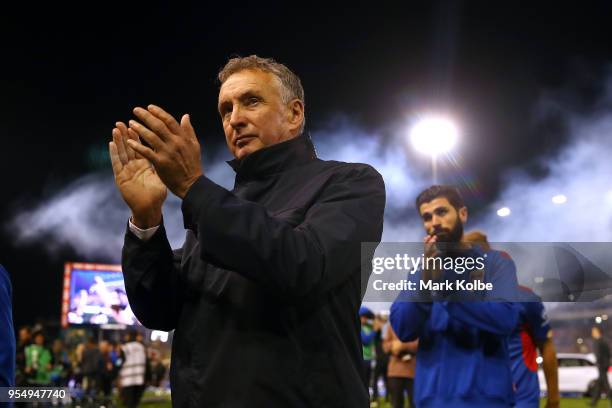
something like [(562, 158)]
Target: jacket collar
[(275, 159)]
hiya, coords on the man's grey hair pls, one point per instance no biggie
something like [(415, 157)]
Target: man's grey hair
[(291, 86)]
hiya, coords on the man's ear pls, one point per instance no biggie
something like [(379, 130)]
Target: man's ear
[(463, 214), (295, 114)]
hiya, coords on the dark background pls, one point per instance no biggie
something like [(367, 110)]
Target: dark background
[(69, 72)]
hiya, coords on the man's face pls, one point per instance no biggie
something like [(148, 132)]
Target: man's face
[(253, 112), (440, 218), (24, 335)]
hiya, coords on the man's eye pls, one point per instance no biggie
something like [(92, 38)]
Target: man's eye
[(253, 101)]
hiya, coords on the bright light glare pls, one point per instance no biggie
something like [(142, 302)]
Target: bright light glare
[(559, 199), (598, 319), (503, 212), (434, 135), (159, 335)]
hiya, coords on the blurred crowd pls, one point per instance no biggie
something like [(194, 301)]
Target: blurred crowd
[(94, 370), (388, 361)]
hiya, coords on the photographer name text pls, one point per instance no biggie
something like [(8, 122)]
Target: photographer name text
[(455, 285)]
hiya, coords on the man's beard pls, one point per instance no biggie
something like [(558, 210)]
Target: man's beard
[(452, 236)]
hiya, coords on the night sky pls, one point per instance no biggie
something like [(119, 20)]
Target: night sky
[(70, 73)]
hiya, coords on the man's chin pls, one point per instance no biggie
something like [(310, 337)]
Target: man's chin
[(442, 238), (244, 151), (446, 238)]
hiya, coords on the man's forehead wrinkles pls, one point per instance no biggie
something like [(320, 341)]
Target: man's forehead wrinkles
[(235, 91)]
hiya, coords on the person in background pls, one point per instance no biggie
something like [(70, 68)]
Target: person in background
[(532, 334), (115, 353), (462, 359), (61, 364), (108, 372), (90, 363), (133, 371), (402, 363), (602, 354), (158, 370), (382, 359), (7, 333), (367, 342), (24, 340), (76, 359), (39, 361)]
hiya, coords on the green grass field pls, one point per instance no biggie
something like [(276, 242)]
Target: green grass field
[(565, 403)]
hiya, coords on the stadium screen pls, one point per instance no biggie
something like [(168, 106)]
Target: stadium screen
[(95, 294)]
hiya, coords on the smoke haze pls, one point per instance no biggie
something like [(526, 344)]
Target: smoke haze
[(89, 215)]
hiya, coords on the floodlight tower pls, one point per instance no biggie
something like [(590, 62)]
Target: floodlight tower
[(433, 136)]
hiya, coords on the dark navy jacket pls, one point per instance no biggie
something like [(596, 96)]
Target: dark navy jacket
[(265, 293), (7, 333), (462, 359)]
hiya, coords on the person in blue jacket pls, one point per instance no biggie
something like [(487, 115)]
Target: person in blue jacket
[(7, 334), (462, 360), (532, 334)]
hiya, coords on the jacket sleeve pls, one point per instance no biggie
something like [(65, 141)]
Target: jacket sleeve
[(408, 318), (494, 317), (150, 269), (537, 320), (498, 314), (7, 334), (320, 253), (411, 310)]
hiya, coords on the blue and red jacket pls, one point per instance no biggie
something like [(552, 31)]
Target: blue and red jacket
[(463, 359), (533, 328)]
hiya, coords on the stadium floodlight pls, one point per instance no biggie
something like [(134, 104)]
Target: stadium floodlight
[(579, 340), (503, 212), (598, 319), (434, 135), (559, 199)]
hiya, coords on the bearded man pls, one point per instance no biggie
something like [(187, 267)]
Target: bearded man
[(462, 359)]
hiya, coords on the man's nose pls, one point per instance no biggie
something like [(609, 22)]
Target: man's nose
[(436, 221), (237, 118)]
